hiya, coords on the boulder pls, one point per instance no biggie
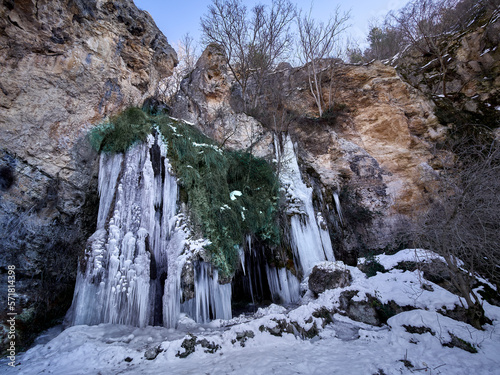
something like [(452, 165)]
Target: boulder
[(329, 275)]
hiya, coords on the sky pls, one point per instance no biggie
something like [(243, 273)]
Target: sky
[(176, 18)]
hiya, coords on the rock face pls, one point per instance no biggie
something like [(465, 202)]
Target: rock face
[(472, 69), (64, 66), (373, 150), (208, 99), (329, 276)]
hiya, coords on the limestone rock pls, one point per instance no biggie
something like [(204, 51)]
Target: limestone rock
[(64, 66), (329, 275), (187, 281), (72, 65), (360, 311), (472, 71), (209, 99)]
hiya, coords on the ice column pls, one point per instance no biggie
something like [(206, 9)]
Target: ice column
[(212, 300), (127, 258), (310, 242), (284, 286), (338, 207)]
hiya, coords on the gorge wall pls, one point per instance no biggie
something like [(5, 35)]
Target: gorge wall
[(472, 71), (370, 161), (64, 67), (374, 149)]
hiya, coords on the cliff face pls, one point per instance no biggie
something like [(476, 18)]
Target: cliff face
[(208, 98), (64, 66), (471, 74), (373, 149)]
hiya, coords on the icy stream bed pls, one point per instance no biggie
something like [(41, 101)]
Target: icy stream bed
[(255, 344)]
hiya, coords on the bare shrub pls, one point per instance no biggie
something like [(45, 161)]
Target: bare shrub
[(463, 223)]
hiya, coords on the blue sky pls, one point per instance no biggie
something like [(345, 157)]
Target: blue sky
[(176, 18)]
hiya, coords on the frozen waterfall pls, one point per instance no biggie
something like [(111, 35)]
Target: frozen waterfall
[(310, 242), (132, 266), (284, 286), (212, 300)]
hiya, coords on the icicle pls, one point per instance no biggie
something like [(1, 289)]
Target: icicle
[(109, 169), (310, 243), (211, 298), (338, 207), (250, 280), (136, 222), (241, 253), (172, 290), (284, 286)]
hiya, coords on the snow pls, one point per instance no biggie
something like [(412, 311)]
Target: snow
[(342, 347), (234, 194), (184, 121), (485, 51), (213, 147), (429, 63), (412, 255)]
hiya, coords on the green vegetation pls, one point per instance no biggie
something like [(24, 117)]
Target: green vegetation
[(230, 194), (371, 266), (121, 132), (457, 342)]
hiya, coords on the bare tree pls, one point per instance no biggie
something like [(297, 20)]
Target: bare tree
[(385, 41), (273, 43), (253, 42), (463, 223), (186, 53), (423, 26), (317, 42)]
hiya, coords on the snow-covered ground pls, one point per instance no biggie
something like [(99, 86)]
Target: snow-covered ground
[(246, 344)]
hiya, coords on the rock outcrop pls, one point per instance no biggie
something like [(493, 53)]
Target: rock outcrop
[(64, 66), (373, 149), (209, 99), (329, 275), (472, 74)]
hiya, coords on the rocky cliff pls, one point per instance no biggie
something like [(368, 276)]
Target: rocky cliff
[(64, 66), (373, 148), (471, 71)]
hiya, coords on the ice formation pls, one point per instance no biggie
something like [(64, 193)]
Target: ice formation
[(212, 300), (133, 262), (310, 242), (284, 286), (336, 199)]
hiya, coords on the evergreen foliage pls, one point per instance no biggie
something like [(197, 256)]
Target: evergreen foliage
[(371, 266), (230, 194), (121, 132)]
